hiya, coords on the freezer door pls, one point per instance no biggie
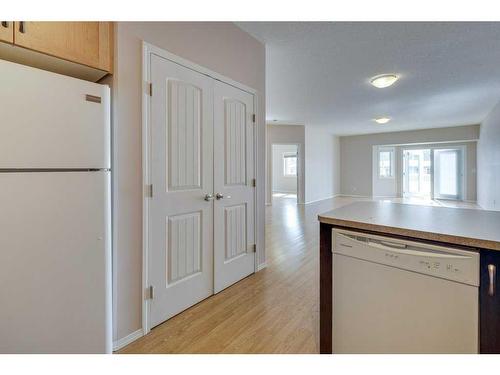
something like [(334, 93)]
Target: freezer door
[(52, 121), (55, 268)]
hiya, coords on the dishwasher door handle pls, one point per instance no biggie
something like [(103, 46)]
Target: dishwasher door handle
[(394, 245), (415, 252)]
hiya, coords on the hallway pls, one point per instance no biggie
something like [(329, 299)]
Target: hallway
[(272, 311)]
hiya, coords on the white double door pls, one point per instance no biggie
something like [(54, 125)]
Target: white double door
[(201, 229)]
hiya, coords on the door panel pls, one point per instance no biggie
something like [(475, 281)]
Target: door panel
[(383, 309), (7, 31), (55, 263), (181, 234), (48, 123), (234, 236), (417, 173), (448, 174), (87, 43)]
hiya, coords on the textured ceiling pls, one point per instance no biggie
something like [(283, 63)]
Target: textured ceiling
[(317, 73)]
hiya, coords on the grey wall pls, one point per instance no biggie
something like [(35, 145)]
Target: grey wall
[(285, 134), (219, 46), (281, 183), (356, 152), (488, 162), (322, 164)]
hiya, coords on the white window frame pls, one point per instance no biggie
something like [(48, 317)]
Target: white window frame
[(286, 155), (392, 159)]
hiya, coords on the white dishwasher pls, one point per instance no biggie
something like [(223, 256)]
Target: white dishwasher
[(395, 296)]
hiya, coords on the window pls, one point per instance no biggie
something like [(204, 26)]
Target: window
[(290, 164), (386, 163)]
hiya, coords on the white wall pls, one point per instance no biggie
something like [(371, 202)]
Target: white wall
[(282, 183), (285, 134), (322, 164), (356, 152), (488, 162), (219, 46)]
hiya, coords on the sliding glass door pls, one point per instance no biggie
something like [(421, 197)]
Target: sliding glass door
[(448, 173), (417, 173)]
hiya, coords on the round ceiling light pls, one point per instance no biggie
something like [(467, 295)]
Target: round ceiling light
[(382, 120), (384, 80)]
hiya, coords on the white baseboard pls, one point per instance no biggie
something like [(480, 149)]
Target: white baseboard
[(353, 196), (124, 341), (261, 266), (322, 199)]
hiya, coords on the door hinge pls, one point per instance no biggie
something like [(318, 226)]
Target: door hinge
[(150, 89), (254, 182), (252, 248), (150, 292), (149, 191), (253, 118)]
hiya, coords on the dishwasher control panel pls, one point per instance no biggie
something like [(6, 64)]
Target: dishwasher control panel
[(444, 262)]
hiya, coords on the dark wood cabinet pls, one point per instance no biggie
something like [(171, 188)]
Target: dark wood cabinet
[(489, 302)]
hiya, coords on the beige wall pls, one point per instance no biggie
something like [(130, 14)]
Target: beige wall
[(322, 164), (285, 134), (219, 46), (356, 152), (488, 162)]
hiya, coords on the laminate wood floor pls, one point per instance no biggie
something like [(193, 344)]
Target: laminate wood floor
[(273, 311)]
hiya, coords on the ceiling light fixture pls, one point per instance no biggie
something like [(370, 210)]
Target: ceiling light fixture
[(382, 120), (384, 80)]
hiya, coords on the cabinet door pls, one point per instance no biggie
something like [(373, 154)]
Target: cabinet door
[(6, 31), (87, 43), (489, 302)]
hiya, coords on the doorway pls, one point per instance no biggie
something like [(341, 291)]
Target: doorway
[(285, 165), (433, 173), (417, 179), (200, 169)]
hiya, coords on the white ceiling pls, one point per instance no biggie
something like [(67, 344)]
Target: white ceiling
[(317, 73)]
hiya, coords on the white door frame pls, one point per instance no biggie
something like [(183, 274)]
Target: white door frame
[(147, 50), (434, 147)]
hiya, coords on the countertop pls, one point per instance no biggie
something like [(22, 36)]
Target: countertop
[(459, 226)]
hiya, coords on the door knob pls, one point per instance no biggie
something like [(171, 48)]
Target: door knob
[(220, 196), (209, 197)]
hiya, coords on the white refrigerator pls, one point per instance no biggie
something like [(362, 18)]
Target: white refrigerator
[(55, 236)]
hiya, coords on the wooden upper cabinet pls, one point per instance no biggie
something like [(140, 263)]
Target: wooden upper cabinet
[(87, 43), (7, 31)]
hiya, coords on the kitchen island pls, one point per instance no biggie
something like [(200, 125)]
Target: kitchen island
[(467, 229)]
